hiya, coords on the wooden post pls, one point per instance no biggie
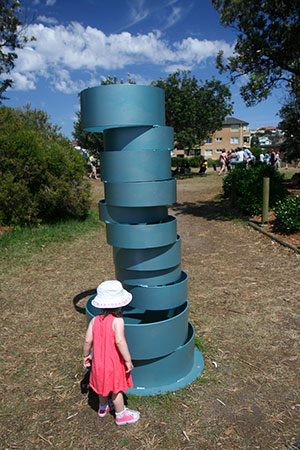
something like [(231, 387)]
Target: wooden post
[(266, 195)]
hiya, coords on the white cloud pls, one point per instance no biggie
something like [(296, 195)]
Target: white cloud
[(138, 12), (50, 2), (165, 13), (173, 18), (62, 82), (195, 51), (60, 52), (48, 20), (23, 82), (139, 79), (174, 67)]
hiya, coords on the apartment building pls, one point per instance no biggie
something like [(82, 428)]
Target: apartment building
[(234, 133)]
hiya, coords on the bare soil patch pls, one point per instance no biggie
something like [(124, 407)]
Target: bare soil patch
[(244, 305)]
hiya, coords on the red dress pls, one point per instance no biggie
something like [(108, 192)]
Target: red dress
[(108, 366)]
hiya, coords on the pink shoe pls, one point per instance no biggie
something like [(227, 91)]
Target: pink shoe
[(127, 416), (103, 412)]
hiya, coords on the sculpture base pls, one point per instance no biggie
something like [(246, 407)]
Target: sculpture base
[(195, 371)]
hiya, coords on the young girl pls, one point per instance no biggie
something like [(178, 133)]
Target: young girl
[(112, 363)]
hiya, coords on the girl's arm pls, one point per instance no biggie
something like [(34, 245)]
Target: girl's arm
[(118, 327), (88, 340)]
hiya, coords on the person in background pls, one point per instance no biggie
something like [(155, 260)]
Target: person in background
[(92, 161), (222, 159), (203, 166), (277, 160), (228, 161), (267, 158), (249, 156), (241, 157), (262, 157), (233, 156)]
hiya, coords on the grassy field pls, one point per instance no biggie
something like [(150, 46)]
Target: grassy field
[(244, 305)]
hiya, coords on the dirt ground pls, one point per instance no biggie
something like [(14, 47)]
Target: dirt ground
[(244, 305)]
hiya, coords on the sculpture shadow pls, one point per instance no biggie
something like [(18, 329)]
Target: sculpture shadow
[(81, 296), (209, 210)]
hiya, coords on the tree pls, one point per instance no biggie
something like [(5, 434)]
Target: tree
[(267, 49), (254, 142), (290, 125), (41, 174), (11, 38), (194, 110), (93, 142)]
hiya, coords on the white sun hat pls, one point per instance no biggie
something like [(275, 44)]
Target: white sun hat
[(111, 294)]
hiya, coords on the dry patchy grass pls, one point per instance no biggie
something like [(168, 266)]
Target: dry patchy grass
[(244, 304)]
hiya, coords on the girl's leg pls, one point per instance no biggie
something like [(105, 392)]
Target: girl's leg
[(104, 406), (118, 401), (102, 401), (123, 415)]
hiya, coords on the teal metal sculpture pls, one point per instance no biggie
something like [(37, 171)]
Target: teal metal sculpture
[(136, 171)]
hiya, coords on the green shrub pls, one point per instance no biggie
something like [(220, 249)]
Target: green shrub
[(176, 161), (287, 213), (249, 187), (41, 175), (180, 161), (194, 161), (212, 162)]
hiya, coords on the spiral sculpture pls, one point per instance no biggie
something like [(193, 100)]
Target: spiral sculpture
[(138, 186)]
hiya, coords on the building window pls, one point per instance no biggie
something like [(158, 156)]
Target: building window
[(208, 141), (192, 152), (234, 140), (234, 127), (208, 152), (219, 150), (218, 139), (247, 139), (195, 151)]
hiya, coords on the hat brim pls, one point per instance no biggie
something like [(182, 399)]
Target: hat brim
[(107, 303)]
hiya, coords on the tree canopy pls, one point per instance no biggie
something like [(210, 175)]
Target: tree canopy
[(195, 110), (41, 174), (93, 142), (12, 37), (267, 49), (290, 125)]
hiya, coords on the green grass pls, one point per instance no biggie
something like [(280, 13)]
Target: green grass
[(200, 344), (25, 241), (288, 174)]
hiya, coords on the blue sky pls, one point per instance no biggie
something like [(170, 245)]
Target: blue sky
[(79, 43)]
